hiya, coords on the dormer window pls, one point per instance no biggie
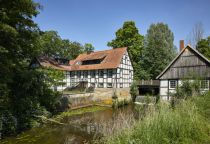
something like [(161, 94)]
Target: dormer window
[(89, 62), (78, 63)]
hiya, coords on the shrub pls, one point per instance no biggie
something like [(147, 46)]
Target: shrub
[(165, 125), (134, 91), (187, 89)]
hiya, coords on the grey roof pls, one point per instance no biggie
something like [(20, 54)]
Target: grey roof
[(188, 46)]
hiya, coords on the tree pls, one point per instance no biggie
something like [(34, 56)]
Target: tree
[(88, 47), (128, 36), (134, 91), (203, 47), (23, 91), (52, 45), (75, 49), (196, 34), (158, 51)]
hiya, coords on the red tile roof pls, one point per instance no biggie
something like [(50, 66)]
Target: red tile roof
[(50, 63), (110, 59)]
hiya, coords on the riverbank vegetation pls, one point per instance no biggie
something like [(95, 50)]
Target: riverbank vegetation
[(186, 123), (185, 119), (79, 111), (26, 93)]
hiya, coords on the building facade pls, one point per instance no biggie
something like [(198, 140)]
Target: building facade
[(101, 69), (188, 63)]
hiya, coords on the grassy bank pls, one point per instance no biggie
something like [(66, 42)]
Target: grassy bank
[(79, 111), (188, 122)]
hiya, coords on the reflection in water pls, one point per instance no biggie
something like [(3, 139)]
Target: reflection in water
[(78, 129)]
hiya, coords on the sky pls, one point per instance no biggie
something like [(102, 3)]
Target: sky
[(96, 21)]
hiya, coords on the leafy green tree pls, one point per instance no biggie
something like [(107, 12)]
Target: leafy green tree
[(75, 49), (134, 91), (203, 47), (158, 51), (24, 92), (88, 47), (128, 36), (52, 45)]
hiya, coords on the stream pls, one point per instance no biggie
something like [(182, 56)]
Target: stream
[(78, 129)]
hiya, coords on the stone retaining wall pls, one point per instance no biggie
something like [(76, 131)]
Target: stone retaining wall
[(99, 95)]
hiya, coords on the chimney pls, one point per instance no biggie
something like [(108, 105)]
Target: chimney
[(181, 46)]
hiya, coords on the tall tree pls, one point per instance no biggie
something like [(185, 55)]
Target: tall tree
[(23, 91), (88, 47), (196, 34), (158, 51), (128, 36), (75, 49), (203, 47), (52, 45)]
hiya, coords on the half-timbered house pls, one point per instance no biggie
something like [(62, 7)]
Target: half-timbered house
[(188, 62), (101, 69)]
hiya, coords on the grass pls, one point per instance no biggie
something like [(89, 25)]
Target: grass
[(80, 111), (73, 92), (187, 123)]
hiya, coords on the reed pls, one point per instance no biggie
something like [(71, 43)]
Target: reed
[(183, 124)]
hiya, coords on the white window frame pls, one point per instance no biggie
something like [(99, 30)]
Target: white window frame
[(170, 81), (100, 72), (85, 74), (109, 85), (109, 73), (101, 85), (93, 74), (206, 84)]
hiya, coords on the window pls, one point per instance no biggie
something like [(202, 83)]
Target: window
[(92, 84), (204, 84), (93, 74), (109, 85), (72, 74), (109, 73), (121, 85), (101, 73), (79, 74), (100, 85), (172, 84), (85, 74)]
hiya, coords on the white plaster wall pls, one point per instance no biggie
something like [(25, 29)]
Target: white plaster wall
[(163, 91), (163, 83)]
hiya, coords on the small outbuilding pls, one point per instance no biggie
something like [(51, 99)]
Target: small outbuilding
[(188, 62)]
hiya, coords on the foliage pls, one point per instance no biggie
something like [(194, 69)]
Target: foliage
[(119, 103), (24, 92), (53, 77), (158, 50), (203, 46), (128, 36), (183, 124), (79, 111), (202, 103), (134, 91), (186, 89), (52, 45), (88, 48)]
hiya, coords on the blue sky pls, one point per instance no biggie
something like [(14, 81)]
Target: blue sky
[(96, 21)]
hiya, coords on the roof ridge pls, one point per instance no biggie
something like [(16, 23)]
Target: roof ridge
[(188, 46), (108, 49)]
